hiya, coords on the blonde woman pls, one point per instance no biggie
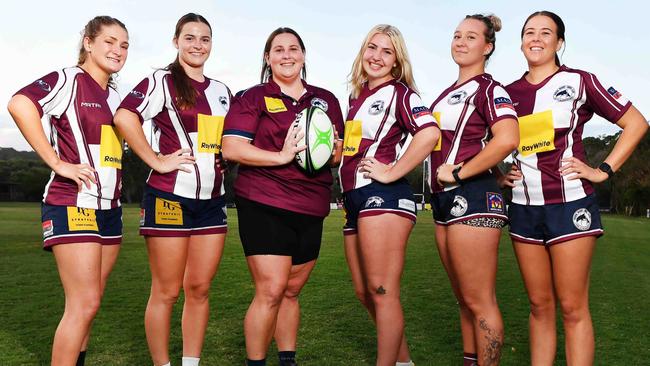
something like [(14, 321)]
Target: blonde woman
[(384, 109)]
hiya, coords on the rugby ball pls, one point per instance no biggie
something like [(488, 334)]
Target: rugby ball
[(318, 138)]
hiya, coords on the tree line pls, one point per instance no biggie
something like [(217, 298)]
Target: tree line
[(23, 176)]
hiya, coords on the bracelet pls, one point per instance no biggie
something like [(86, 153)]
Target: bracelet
[(606, 168), (455, 174)]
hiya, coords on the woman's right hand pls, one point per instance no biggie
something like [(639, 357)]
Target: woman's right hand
[(508, 180), (175, 161), (290, 147), (82, 174)]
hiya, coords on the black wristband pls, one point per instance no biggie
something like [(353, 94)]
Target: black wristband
[(604, 167), (455, 174)]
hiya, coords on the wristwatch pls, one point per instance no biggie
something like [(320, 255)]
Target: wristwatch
[(604, 167), (455, 174)]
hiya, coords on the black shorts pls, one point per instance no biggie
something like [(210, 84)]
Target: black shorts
[(555, 223), (268, 230), (71, 224), (478, 197)]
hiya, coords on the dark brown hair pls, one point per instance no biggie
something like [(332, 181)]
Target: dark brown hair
[(558, 23), (92, 30), (492, 25), (266, 73), (185, 92)]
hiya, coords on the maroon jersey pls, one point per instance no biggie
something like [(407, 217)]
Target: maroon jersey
[(465, 114), (77, 115), (198, 128), (552, 117), (263, 115), (378, 125)]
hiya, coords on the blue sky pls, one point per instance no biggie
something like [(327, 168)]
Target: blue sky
[(608, 38)]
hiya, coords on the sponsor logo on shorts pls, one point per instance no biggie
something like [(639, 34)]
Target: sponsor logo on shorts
[(457, 97), (43, 85), (494, 202), (459, 207), (613, 92), (406, 204), (48, 228), (421, 111), (503, 102), (582, 219), (224, 102), (376, 107), (564, 93), (142, 213), (168, 212), (137, 94), (374, 201), (317, 102), (80, 219)]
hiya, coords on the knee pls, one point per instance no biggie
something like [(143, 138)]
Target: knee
[(574, 311), (167, 295), (197, 291), (271, 294), (380, 295), (85, 307), (478, 304), (542, 306)]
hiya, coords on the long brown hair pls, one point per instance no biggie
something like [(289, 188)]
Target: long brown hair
[(266, 73), (185, 92), (561, 29), (91, 31)]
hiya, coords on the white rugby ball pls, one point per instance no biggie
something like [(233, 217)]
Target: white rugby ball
[(319, 139)]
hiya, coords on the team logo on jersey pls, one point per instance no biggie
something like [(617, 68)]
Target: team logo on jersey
[(168, 212), (503, 102), (80, 219), (457, 97), (582, 219), (420, 112), (459, 206), (48, 228), (224, 102), (137, 94), (43, 85), (614, 93), (374, 201), (494, 202), (376, 107), (317, 102), (564, 93)]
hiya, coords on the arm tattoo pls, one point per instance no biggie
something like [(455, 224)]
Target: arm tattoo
[(494, 344)]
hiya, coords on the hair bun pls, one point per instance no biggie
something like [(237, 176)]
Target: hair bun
[(496, 22)]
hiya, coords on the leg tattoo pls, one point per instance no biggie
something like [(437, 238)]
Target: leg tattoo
[(494, 343), (381, 290)]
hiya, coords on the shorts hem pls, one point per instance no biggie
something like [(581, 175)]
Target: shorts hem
[(165, 232), (460, 220), (80, 238), (381, 211), (524, 240), (350, 231), (564, 238)]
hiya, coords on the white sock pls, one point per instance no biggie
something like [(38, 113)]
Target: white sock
[(410, 363), (167, 364), (190, 361)]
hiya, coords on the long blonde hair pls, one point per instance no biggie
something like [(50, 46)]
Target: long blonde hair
[(402, 72)]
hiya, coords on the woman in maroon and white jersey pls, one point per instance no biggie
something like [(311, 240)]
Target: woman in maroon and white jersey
[(479, 129), (183, 215), (81, 213), (280, 207), (385, 111), (554, 218)]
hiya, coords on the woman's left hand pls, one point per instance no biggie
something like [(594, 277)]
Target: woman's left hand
[(444, 174), (374, 169), (576, 169)]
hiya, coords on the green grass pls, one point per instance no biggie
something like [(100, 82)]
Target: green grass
[(335, 330)]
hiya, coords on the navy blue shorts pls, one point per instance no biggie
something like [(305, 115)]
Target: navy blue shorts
[(555, 223), (475, 198), (166, 214), (376, 199), (268, 230), (70, 224)]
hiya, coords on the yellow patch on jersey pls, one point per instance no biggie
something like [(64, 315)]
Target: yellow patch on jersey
[(438, 146), (210, 131), (536, 133), (352, 137), (81, 219), (168, 212), (110, 147), (274, 105)]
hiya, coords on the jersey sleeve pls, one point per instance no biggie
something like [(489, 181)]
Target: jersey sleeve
[(243, 116), (495, 104), (604, 99), (412, 113), (50, 94), (147, 99)]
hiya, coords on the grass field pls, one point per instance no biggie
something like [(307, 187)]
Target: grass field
[(335, 330)]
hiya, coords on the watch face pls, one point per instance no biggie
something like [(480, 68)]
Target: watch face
[(604, 167)]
